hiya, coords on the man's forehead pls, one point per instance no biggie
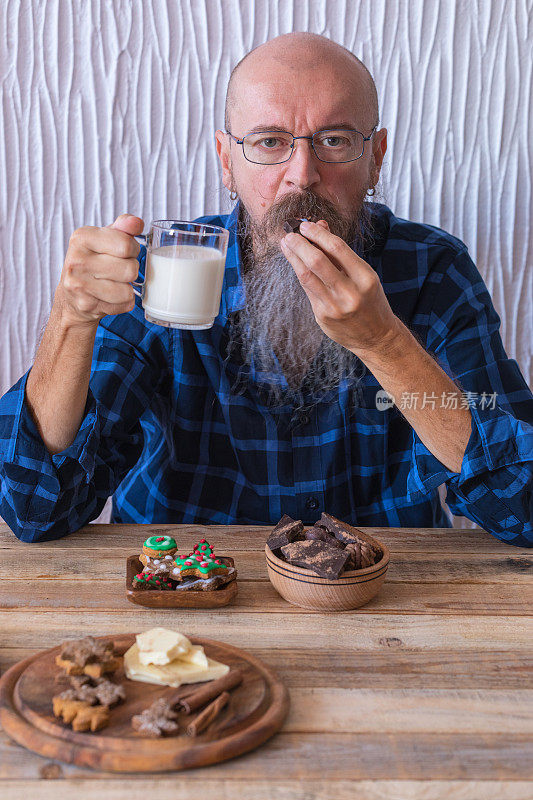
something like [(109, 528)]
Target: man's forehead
[(263, 104)]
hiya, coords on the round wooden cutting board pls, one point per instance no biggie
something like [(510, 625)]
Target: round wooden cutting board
[(256, 710)]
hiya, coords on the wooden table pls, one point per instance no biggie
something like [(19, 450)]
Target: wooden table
[(427, 692)]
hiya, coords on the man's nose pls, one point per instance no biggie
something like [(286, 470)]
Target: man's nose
[(302, 167)]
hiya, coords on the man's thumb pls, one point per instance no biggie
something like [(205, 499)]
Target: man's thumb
[(129, 224)]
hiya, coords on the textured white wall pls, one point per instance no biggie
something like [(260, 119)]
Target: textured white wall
[(110, 106)]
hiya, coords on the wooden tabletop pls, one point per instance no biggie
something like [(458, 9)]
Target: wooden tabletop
[(426, 692)]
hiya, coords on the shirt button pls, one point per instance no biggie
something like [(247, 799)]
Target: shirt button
[(304, 419), (311, 502)]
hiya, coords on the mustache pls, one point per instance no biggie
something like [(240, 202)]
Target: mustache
[(355, 229)]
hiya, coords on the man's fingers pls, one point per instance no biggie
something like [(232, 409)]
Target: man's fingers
[(307, 277), (114, 293), (128, 223), (317, 261), (337, 250), (113, 268), (108, 241)]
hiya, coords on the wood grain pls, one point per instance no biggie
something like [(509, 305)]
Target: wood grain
[(346, 631), (259, 597), (227, 788), (431, 684), (395, 667), (344, 756)]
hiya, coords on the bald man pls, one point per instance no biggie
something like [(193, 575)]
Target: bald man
[(355, 365)]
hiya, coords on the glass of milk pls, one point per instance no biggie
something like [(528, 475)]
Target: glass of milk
[(184, 273)]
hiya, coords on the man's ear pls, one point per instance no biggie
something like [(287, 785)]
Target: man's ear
[(223, 152), (378, 153)]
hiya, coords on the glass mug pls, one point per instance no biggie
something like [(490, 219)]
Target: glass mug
[(184, 273)]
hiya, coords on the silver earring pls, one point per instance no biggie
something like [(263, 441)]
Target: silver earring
[(371, 192)]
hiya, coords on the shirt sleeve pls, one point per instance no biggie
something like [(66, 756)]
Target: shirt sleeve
[(44, 496), (494, 486)]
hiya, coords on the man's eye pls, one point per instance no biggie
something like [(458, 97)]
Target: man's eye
[(270, 142), (333, 141)]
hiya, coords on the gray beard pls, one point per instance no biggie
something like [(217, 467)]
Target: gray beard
[(276, 330)]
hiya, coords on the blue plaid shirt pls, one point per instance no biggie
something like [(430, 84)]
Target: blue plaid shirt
[(164, 433)]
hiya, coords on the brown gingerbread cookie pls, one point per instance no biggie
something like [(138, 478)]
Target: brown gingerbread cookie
[(159, 545), (83, 715), (87, 656), (159, 719), (207, 584), (200, 563), (100, 690), (148, 580), (158, 565)]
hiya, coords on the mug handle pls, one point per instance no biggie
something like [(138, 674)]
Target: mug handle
[(141, 238)]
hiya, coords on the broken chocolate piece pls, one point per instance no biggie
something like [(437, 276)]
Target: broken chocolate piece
[(287, 530), (292, 224), (340, 530), (362, 553), (320, 534), (323, 559)]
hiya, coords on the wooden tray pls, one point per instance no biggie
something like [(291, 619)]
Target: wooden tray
[(157, 598), (256, 710)]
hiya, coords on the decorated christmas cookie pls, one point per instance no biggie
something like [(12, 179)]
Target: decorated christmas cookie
[(159, 546), (159, 565), (147, 580), (202, 548), (201, 562)]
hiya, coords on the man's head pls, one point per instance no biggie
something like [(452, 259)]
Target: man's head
[(300, 83)]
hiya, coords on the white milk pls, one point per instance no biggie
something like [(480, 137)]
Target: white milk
[(183, 283)]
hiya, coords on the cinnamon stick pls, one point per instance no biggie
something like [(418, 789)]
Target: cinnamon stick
[(206, 693), (208, 715), (180, 694)]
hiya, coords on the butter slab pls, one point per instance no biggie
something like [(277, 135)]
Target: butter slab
[(173, 674), (161, 646)]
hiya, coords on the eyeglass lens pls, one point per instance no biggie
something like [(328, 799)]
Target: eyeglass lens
[(274, 147)]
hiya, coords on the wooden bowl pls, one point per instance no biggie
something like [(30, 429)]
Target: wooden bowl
[(157, 598), (304, 588)]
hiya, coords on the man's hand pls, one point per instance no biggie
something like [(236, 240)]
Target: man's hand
[(351, 308), (345, 293), (98, 268), (99, 265)]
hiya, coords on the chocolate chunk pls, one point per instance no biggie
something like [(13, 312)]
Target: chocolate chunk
[(320, 534), (287, 530), (323, 559), (340, 530), (292, 224), (362, 553)]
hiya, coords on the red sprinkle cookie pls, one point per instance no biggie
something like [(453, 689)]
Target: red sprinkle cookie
[(201, 563), (147, 580), (159, 545)]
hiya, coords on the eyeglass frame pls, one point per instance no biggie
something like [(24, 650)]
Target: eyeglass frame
[(311, 139)]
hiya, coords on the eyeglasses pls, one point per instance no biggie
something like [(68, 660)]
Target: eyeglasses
[(336, 146)]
